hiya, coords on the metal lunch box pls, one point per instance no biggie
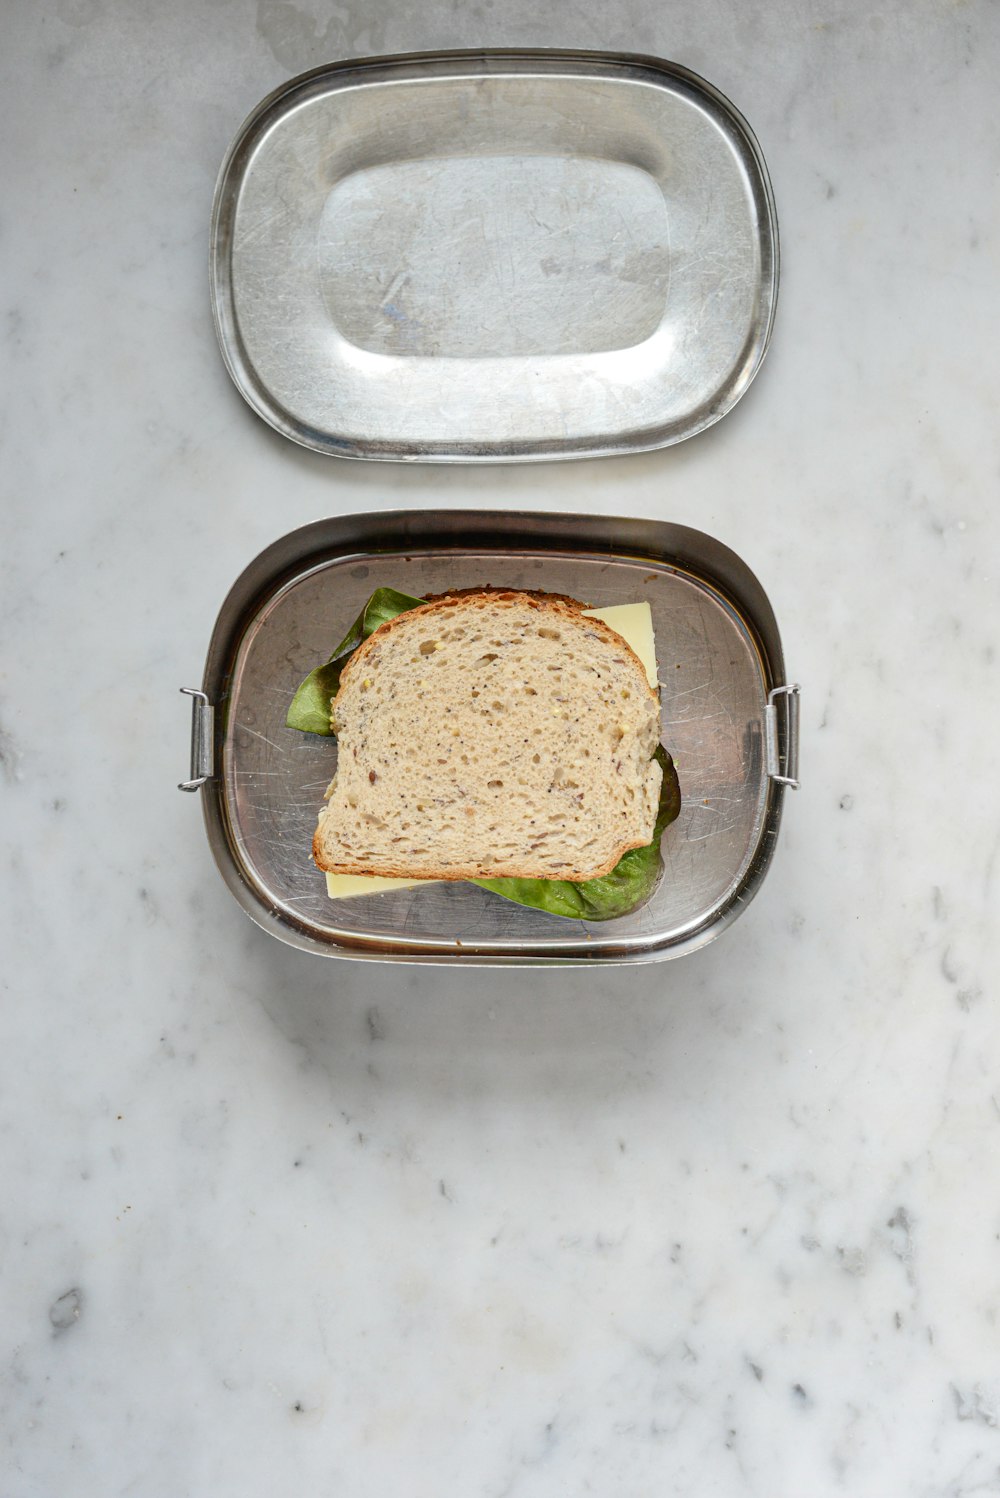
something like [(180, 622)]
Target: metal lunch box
[(729, 718), (494, 256)]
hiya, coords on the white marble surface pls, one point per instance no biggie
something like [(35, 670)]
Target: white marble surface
[(725, 1226)]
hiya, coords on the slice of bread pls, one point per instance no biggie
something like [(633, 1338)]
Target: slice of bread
[(488, 735)]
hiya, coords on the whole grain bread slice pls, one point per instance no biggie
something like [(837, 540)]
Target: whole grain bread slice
[(491, 734)]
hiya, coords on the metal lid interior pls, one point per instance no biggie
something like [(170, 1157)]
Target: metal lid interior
[(494, 256)]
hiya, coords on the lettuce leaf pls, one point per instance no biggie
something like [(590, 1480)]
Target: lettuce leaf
[(310, 709), (635, 875)]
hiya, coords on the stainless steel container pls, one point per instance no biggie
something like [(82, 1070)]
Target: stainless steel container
[(476, 256), (729, 718)]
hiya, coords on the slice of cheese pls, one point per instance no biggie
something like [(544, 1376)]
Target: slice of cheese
[(343, 886), (634, 622)]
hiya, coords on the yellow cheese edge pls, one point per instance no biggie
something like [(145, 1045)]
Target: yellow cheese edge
[(344, 886), (634, 622)]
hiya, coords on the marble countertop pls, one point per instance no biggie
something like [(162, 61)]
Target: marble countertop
[(729, 1225)]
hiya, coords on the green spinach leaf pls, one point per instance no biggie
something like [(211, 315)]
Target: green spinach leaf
[(310, 709)]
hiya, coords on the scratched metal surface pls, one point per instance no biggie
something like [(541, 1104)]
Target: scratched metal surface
[(494, 256), (714, 673)]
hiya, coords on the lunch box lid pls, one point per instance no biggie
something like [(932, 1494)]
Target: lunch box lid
[(494, 256)]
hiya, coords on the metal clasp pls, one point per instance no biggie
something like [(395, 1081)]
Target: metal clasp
[(789, 697), (202, 740)]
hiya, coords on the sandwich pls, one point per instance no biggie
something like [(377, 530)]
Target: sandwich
[(503, 737)]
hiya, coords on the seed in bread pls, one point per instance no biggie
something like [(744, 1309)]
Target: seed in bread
[(491, 735)]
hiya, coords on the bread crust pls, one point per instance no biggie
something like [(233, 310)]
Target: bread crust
[(556, 603), (461, 876), (556, 606)]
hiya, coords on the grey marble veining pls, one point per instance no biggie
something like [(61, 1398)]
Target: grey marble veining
[(729, 1226)]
